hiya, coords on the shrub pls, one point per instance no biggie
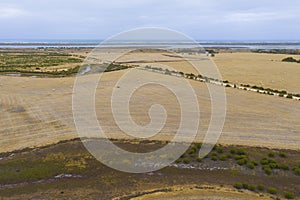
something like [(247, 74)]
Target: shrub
[(223, 157), (289, 195), (229, 155), (289, 96), (199, 159), (282, 154), (199, 145), (214, 154), (254, 162), (177, 161), (264, 161), (272, 190), (260, 187), (192, 151), (238, 185), (267, 169), (242, 161), (186, 160), (250, 165), (271, 160), (297, 170), (273, 165), (194, 148), (232, 151), (240, 151), (214, 158), (252, 187), (271, 154), (220, 149), (283, 166), (245, 185), (289, 59), (238, 157)]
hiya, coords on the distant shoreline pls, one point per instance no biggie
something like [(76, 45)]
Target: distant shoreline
[(93, 44)]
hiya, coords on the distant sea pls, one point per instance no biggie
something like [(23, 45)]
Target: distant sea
[(230, 44)]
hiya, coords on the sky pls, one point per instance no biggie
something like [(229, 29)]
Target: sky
[(201, 20)]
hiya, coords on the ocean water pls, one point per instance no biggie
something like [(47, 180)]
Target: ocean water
[(232, 44)]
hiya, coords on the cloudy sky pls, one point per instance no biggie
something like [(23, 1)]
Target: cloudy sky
[(99, 19)]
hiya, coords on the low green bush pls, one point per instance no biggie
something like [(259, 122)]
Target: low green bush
[(260, 187), (264, 161), (289, 195), (241, 151), (282, 154), (251, 187), (238, 185), (297, 170), (245, 185), (250, 165), (271, 154), (283, 166), (186, 160), (232, 151), (254, 162), (220, 149), (199, 159), (272, 190), (214, 158), (223, 157), (267, 169), (242, 161)]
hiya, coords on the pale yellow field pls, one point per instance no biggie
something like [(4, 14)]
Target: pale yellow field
[(265, 70), (259, 69), (38, 111)]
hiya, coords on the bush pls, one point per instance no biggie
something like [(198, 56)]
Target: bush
[(223, 157), (254, 162), (186, 160), (240, 151), (273, 165), (220, 149), (199, 145), (238, 157), (238, 185), (283, 166), (245, 185), (229, 155), (199, 159), (260, 187), (267, 169), (289, 195), (242, 161), (272, 190), (178, 161), (192, 151), (252, 187), (214, 158), (271, 154), (297, 170), (289, 96), (264, 161), (289, 59), (282, 154), (232, 151), (250, 165)]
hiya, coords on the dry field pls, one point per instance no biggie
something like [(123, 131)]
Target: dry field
[(259, 69), (38, 111)]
